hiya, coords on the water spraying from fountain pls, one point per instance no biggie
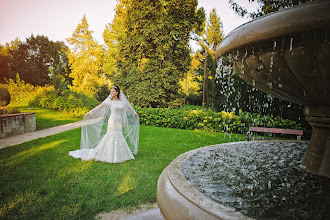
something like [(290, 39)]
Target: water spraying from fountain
[(289, 60)]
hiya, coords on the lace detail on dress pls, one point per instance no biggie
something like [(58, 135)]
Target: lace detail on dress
[(112, 148)]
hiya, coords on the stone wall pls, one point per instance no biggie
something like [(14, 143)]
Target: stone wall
[(14, 124)]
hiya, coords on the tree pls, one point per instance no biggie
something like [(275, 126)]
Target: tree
[(265, 7), (190, 84), (33, 58), (152, 48), (211, 38), (85, 60), (112, 35), (5, 60)]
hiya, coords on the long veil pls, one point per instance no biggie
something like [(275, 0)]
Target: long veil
[(96, 123)]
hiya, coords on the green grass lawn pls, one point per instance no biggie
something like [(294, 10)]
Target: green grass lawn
[(39, 180), (46, 118)]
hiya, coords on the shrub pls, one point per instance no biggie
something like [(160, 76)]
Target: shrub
[(20, 92), (210, 120), (8, 110), (70, 102), (4, 96), (102, 92)]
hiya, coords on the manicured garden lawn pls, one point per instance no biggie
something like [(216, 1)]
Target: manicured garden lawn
[(39, 180), (46, 118)]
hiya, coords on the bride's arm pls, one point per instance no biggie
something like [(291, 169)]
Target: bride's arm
[(132, 110), (96, 108)]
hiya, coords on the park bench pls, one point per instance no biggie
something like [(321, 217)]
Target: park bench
[(299, 133)]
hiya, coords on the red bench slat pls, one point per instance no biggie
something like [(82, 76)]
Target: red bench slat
[(277, 130)]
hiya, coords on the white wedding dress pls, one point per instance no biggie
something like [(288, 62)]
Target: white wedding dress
[(112, 147)]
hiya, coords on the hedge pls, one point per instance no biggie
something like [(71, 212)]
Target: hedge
[(210, 120)]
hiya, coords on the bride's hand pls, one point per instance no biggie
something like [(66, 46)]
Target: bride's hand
[(136, 115), (88, 114)]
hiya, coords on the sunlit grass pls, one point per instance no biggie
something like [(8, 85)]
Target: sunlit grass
[(46, 118), (39, 180)]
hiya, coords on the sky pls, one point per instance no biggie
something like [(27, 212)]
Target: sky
[(57, 19)]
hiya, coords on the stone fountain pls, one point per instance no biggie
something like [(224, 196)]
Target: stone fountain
[(285, 54)]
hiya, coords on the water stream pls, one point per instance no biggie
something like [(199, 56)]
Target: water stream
[(262, 180)]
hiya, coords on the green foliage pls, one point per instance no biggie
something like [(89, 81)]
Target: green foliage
[(58, 81), (20, 91), (69, 102), (102, 92), (210, 120), (32, 59), (8, 110), (5, 59), (85, 61), (265, 7), (152, 48), (4, 96), (46, 183), (47, 97)]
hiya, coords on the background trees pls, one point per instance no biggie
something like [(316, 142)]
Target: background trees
[(33, 59), (211, 38), (5, 59), (265, 6), (152, 48), (85, 59)]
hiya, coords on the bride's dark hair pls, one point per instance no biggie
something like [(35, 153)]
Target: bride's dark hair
[(117, 89)]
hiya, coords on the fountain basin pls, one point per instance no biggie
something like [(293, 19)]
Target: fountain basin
[(286, 54), (177, 198), (212, 182)]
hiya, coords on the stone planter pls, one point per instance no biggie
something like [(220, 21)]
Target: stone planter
[(14, 124)]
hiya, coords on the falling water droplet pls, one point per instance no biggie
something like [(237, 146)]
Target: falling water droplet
[(220, 61), (270, 85), (253, 82), (291, 43), (280, 86), (271, 63), (260, 67), (246, 53)]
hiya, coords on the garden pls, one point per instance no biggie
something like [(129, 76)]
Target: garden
[(185, 100)]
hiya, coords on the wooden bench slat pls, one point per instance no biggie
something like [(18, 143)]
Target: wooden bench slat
[(277, 130)]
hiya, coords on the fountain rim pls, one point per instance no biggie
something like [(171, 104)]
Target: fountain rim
[(174, 175), (189, 192), (305, 17)]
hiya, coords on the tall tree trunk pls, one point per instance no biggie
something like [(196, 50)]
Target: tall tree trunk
[(205, 92), (186, 90), (213, 89)]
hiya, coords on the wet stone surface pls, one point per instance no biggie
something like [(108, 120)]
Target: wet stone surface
[(262, 180)]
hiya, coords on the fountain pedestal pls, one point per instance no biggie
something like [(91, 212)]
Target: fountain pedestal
[(317, 158)]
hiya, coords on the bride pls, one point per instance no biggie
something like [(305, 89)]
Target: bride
[(111, 132)]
